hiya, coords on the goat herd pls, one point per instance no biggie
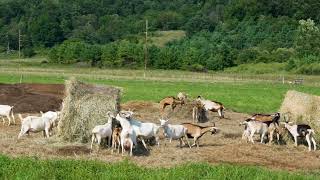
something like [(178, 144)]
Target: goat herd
[(124, 136)]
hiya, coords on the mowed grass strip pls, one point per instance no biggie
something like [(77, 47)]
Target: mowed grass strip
[(239, 97), (33, 168)]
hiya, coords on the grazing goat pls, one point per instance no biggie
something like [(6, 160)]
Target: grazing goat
[(6, 110), (172, 101), (212, 106), (35, 124), (116, 138), (196, 131), (128, 136), (301, 130), (174, 131), (252, 127), (102, 132)]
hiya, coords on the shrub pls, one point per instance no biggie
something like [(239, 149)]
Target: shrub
[(28, 52)]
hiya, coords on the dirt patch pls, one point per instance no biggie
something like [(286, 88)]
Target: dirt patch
[(30, 98)]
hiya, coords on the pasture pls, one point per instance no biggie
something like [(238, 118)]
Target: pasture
[(241, 96)]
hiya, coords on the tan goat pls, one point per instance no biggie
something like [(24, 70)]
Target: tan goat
[(116, 138), (196, 131), (170, 100)]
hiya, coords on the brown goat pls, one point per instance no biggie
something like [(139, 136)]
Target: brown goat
[(267, 118), (116, 138), (196, 131), (170, 100)]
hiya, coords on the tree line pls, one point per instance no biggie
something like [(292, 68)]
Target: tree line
[(220, 34)]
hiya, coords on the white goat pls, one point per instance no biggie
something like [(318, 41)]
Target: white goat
[(35, 124), (128, 136), (102, 132), (212, 106), (145, 130), (301, 130), (6, 110), (252, 127), (53, 116), (174, 131)]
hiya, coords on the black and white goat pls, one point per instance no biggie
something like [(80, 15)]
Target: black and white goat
[(301, 130)]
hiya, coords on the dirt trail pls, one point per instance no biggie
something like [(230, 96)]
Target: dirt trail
[(224, 147)]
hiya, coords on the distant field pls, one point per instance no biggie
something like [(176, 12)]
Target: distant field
[(248, 95), (33, 168)]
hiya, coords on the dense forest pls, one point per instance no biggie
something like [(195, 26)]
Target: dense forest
[(219, 33)]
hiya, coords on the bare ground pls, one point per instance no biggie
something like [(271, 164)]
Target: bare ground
[(224, 147)]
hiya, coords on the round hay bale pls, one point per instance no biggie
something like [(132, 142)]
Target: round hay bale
[(84, 107), (302, 108)]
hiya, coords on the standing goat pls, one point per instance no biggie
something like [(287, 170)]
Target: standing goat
[(145, 130), (174, 131), (196, 132), (301, 130), (128, 136), (6, 110), (212, 106), (116, 138), (102, 132), (272, 121), (252, 127), (35, 124)]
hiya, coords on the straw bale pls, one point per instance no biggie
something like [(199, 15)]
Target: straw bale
[(84, 107), (302, 108)]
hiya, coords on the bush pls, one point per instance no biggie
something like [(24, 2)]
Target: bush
[(123, 54), (197, 68), (70, 52), (28, 52)]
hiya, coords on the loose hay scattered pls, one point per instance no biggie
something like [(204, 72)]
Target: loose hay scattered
[(302, 108), (84, 107)]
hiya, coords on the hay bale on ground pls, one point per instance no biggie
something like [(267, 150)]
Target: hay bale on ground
[(84, 107), (302, 108)]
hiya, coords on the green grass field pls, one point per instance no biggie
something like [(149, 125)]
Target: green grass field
[(33, 168), (248, 97)]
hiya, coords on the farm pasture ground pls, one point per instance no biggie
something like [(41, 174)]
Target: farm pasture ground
[(248, 96), (224, 147)]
